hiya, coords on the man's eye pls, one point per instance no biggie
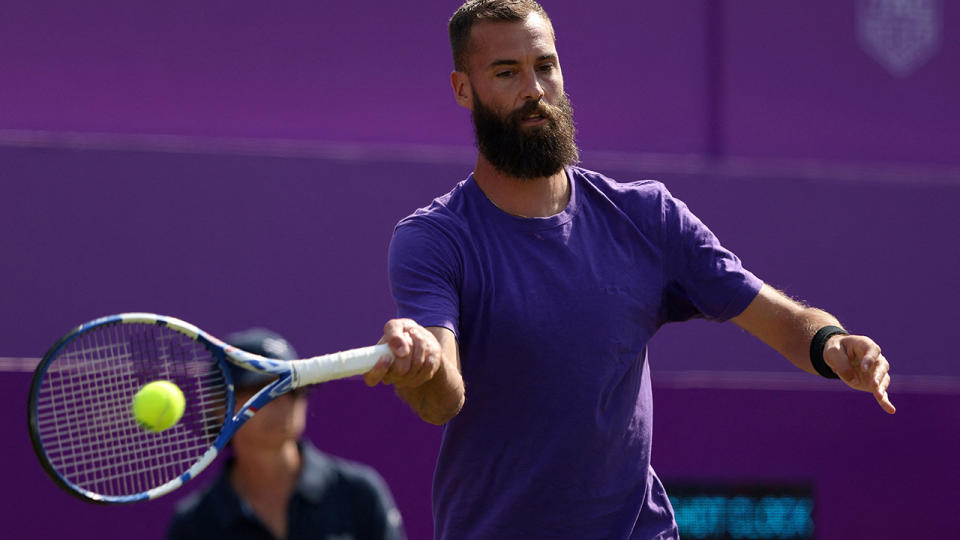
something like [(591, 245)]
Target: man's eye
[(546, 67), (504, 74)]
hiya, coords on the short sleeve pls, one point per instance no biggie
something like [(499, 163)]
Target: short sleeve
[(703, 279), (424, 272)]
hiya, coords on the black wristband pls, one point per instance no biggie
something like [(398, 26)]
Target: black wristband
[(817, 345)]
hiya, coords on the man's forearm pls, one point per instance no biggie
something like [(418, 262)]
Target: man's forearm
[(785, 325), (438, 400)]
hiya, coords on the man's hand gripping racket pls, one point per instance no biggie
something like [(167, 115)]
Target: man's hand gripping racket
[(80, 406)]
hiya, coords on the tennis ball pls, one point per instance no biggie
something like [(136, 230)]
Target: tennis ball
[(158, 406)]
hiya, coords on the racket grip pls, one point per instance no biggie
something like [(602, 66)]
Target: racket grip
[(339, 365)]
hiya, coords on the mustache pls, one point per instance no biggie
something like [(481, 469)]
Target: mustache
[(532, 107)]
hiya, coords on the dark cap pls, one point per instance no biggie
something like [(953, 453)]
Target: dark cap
[(263, 342)]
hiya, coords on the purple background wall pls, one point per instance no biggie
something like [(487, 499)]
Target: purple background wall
[(244, 165)]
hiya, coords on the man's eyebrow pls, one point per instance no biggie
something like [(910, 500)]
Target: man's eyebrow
[(505, 62)]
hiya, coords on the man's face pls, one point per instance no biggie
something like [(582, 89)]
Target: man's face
[(522, 118)]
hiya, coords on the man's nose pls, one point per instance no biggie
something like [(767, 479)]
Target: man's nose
[(532, 90)]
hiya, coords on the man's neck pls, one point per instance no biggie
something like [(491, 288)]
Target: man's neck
[(528, 197)]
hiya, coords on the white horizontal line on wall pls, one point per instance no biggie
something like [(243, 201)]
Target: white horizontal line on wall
[(283, 148), (771, 380), (641, 162)]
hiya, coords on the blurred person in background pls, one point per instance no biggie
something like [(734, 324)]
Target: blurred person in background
[(277, 485)]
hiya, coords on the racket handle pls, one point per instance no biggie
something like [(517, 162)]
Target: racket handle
[(338, 365)]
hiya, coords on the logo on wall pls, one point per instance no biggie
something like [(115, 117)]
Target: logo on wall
[(901, 35)]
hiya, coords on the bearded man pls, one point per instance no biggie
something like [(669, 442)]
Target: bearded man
[(527, 296)]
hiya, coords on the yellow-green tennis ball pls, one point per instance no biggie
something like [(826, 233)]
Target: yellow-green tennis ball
[(158, 405)]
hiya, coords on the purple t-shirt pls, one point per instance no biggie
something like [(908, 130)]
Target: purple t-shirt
[(552, 316)]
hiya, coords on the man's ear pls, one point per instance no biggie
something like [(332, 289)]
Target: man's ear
[(462, 90)]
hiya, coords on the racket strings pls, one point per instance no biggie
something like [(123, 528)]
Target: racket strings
[(84, 417)]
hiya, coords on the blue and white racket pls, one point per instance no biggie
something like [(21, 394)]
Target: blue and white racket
[(79, 410)]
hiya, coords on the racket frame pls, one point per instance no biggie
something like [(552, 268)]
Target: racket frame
[(290, 375)]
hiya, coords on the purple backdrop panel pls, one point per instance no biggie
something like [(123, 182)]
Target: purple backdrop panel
[(293, 69), (855, 80), (744, 78), (220, 240), (341, 71)]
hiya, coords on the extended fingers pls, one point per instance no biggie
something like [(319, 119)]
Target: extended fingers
[(873, 367), (883, 398), (879, 372), (863, 366), (876, 373)]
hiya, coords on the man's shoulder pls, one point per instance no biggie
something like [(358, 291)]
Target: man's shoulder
[(442, 210), (644, 201), (445, 223), (643, 189)]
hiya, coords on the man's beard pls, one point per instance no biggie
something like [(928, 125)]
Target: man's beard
[(526, 153)]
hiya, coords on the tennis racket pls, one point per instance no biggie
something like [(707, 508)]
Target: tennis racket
[(79, 410)]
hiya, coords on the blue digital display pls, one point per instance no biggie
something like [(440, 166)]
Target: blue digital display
[(756, 512)]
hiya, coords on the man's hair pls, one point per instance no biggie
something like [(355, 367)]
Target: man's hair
[(474, 11)]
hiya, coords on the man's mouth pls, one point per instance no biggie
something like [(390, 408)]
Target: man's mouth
[(533, 119)]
